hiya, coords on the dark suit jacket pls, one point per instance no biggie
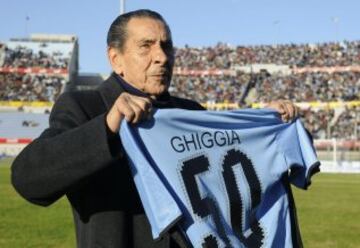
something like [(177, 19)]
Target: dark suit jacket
[(78, 157)]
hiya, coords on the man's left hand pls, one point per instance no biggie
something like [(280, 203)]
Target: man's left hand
[(287, 110)]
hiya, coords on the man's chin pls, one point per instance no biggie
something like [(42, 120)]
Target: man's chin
[(158, 91)]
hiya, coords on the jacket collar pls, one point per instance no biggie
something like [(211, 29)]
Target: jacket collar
[(109, 90), (112, 87)]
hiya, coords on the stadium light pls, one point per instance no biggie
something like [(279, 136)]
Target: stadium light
[(122, 7), (335, 20), (27, 20)]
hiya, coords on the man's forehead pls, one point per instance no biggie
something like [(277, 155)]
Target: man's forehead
[(145, 28)]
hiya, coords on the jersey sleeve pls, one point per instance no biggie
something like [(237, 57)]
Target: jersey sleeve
[(300, 155), (161, 209)]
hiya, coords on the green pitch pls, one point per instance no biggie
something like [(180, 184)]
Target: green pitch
[(329, 212), (26, 225), (329, 215)]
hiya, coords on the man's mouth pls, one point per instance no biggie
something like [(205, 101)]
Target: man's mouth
[(160, 75)]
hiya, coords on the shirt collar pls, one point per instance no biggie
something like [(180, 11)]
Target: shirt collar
[(163, 101), (128, 87)]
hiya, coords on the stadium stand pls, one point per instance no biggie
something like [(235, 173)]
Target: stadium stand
[(38, 68), (347, 124), (30, 87), (312, 86), (324, 79), (33, 73), (210, 88), (223, 56), (37, 54), (300, 87)]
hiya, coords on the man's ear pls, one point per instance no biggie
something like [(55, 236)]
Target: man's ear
[(115, 58)]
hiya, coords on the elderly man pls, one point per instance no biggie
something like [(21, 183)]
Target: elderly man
[(80, 155)]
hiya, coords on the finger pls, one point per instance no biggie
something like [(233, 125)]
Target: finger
[(281, 109), (277, 106), (284, 114), (138, 112), (297, 111), (129, 107), (113, 119), (135, 108), (124, 106), (127, 111), (290, 110), (144, 103)]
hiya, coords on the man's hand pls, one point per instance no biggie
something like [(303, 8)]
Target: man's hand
[(287, 110), (132, 108)]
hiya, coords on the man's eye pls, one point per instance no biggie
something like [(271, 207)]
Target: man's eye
[(145, 46)]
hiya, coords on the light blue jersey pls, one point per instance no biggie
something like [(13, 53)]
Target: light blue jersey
[(222, 177)]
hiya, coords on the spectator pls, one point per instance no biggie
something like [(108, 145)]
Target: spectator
[(25, 57), (26, 87)]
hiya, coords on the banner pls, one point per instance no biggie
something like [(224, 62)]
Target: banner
[(332, 69), (320, 105), (34, 70), (210, 72), (18, 104), (284, 69)]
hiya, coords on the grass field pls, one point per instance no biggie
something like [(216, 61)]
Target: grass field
[(25, 225), (329, 215)]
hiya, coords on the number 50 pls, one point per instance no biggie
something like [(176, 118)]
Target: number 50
[(206, 206)]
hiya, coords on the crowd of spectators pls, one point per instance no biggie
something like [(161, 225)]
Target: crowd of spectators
[(239, 87), (323, 87), (325, 124), (31, 87), (322, 123), (305, 87), (25, 57), (26, 87), (318, 122), (223, 56), (301, 87), (347, 125), (210, 88)]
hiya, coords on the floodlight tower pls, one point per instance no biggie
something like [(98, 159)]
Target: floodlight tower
[(122, 7)]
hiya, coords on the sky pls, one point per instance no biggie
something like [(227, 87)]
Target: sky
[(193, 22)]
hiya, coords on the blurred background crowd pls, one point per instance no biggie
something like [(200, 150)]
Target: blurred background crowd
[(223, 56), (230, 84)]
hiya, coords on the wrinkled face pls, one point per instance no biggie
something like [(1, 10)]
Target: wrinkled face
[(147, 59)]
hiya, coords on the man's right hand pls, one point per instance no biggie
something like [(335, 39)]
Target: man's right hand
[(132, 108)]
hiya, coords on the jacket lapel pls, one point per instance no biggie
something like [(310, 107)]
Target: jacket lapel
[(110, 90)]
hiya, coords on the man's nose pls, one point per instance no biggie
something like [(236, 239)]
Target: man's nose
[(160, 56)]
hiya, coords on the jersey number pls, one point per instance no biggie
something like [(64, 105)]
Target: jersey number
[(206, 206)]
